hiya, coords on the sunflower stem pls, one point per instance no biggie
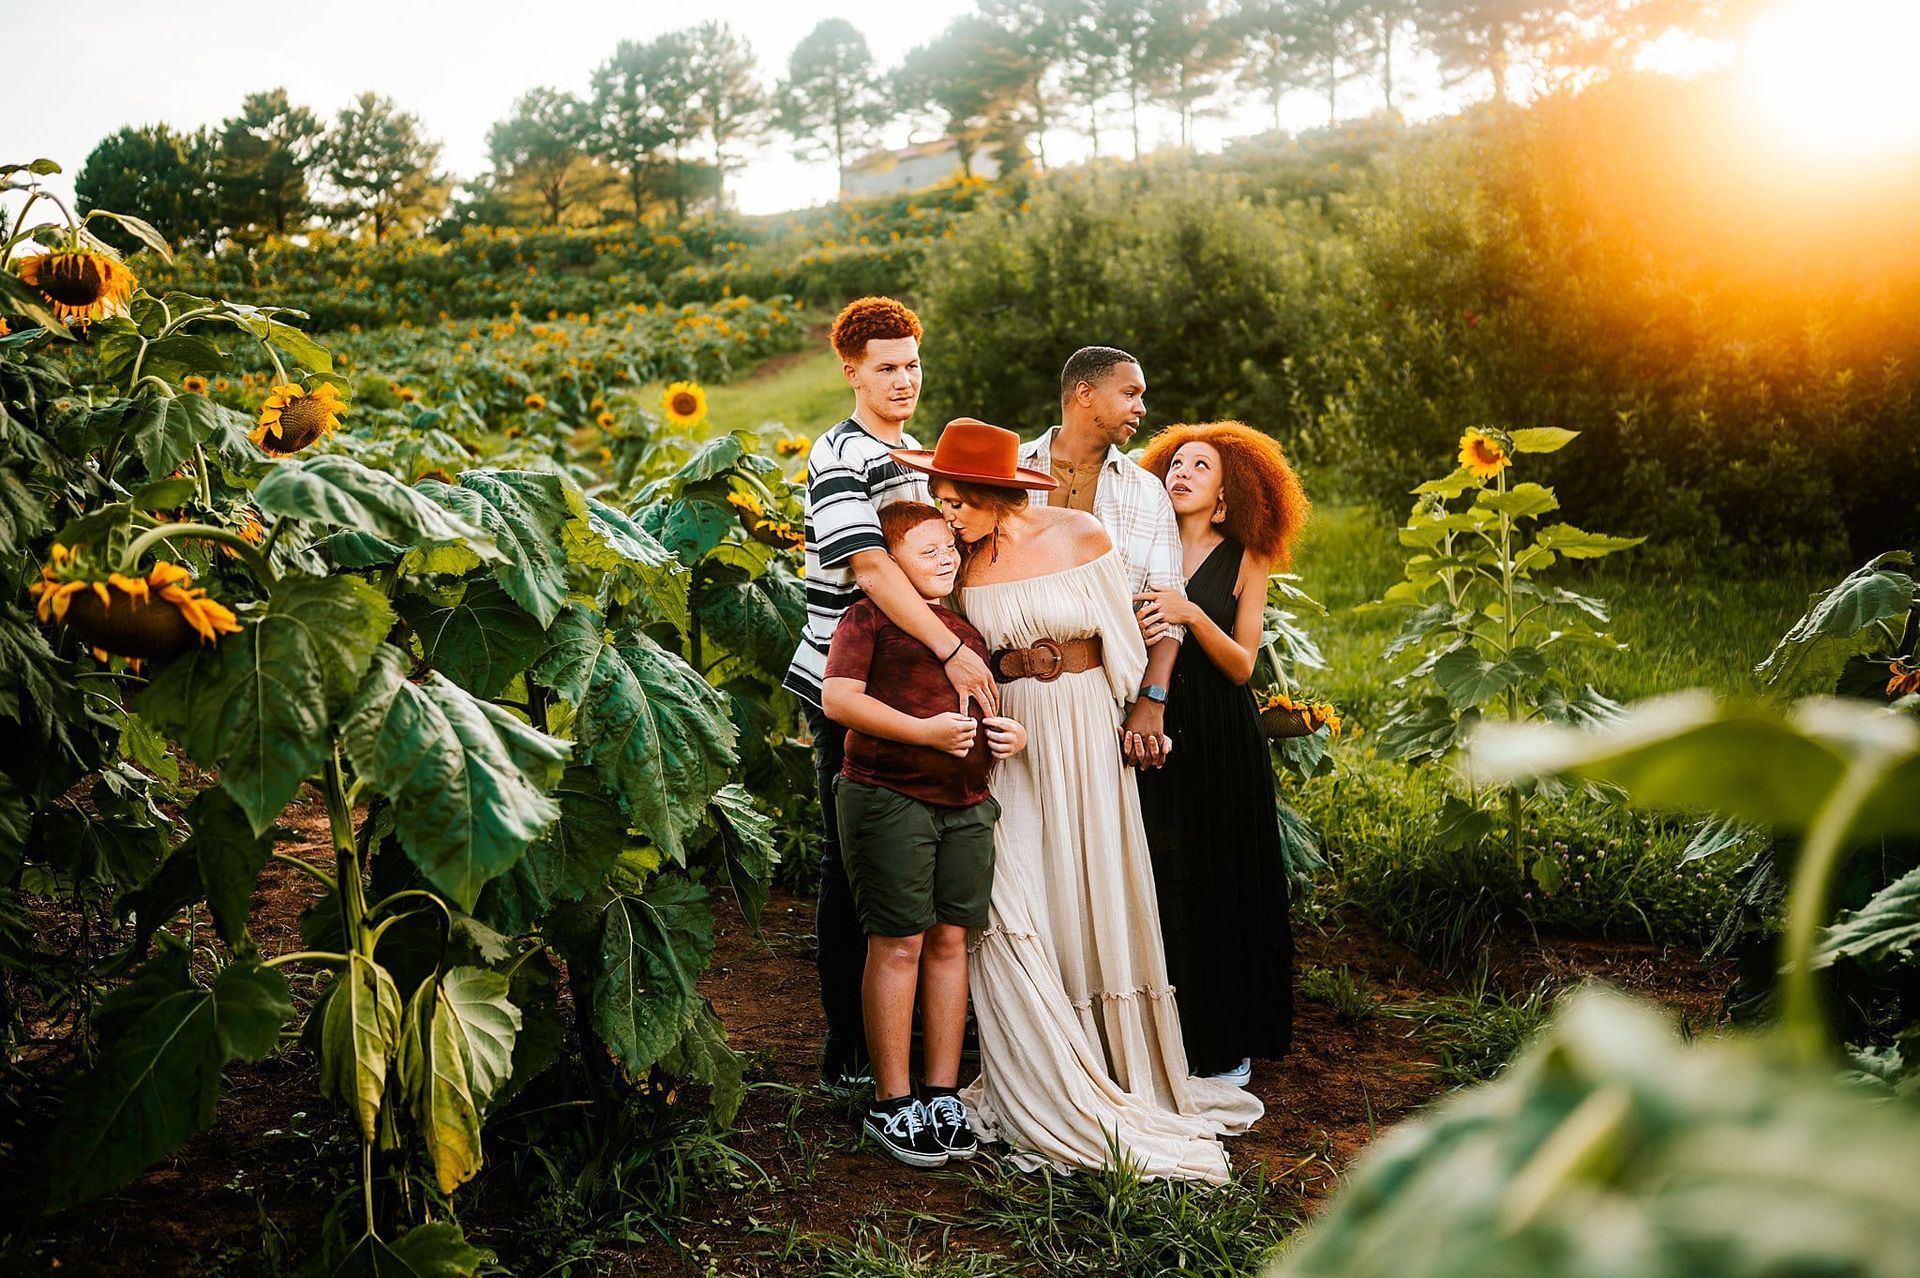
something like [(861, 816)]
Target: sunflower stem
[(149, 377), (130, 561), (200, 472)]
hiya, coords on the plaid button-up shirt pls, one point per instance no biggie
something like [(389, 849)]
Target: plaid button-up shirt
[(1137, 513)]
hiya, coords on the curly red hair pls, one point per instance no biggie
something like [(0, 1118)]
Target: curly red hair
[(1266, 506), (869, 319)]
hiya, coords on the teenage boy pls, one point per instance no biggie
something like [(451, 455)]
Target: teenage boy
[(916, 828), (850, 478), (1102, 403)]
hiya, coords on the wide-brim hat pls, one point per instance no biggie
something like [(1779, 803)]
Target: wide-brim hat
[(971, 451)]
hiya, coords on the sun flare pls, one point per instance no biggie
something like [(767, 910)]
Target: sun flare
[(1836, 76)]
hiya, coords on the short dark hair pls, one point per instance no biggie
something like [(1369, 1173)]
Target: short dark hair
[(1091, 364)]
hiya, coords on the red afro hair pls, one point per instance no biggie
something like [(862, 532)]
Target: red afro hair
[(869, 319), (1266, 506)]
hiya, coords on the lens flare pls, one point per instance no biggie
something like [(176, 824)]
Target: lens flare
[(1836, 76)]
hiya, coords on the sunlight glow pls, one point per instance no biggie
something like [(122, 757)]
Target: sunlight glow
[(1837, 76)]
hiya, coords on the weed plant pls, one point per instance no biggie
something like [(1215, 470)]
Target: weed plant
[(1479, 1030)]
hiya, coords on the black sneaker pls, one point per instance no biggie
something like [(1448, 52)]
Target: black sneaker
[(948, 1115), (903, 1130), (847, 1084)]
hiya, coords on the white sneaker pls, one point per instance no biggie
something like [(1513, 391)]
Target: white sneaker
[(1240, 1075)]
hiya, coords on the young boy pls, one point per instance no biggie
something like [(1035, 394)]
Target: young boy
[(916, 828)]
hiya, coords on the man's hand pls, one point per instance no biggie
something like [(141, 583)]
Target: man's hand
[(1143, 738), (1005, 737), (970, 678), (950, 733)]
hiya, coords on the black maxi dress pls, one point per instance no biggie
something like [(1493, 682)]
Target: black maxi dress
[(1218, 865)]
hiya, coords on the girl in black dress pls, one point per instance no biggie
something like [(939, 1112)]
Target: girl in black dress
[(1210, 815)]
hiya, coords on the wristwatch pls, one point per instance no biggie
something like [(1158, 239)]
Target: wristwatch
[(1154, 693)]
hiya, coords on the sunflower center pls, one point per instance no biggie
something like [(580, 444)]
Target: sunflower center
[(73, 280), (684, 404), (304, 416)]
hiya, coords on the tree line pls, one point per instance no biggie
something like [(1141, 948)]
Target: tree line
[(665, 121)]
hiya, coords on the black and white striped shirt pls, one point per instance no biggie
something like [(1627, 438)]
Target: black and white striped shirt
[(850, 476)]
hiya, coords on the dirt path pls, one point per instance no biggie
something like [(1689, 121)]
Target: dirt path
[(260, 1178)]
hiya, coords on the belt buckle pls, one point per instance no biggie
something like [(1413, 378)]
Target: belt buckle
[(1052, 649)]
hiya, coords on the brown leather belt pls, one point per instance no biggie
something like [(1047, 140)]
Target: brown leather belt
[(1046, 660)]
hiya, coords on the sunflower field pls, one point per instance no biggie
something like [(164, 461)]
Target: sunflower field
[(533, 705)]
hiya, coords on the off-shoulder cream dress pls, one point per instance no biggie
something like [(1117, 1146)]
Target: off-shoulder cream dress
[(1079, 1033)]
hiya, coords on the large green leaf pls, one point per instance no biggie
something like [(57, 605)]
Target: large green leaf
[(358, 1036), (433, 1250), (1541, 439), (523, 512), (1877, 591), (229, 857), (715, 456), (258, 704), (693, 526), (468, 781), (481, 641), (165, 429), (759, 619), (1522, 501), (1469, 679), (17, 297), (1426, 728), (703, 1056), (746, 842), (658, 733), (433, 1068), (1575, 543), (1684, 751), (165, 1041), (477, 1003), (602, 539), (651, 950), (568, 861), (1885, 927), (341, 493)]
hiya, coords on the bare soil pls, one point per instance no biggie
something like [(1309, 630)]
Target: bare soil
[(261, 1180)]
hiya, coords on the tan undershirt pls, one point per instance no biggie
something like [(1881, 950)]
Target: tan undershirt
[(1078, 484)]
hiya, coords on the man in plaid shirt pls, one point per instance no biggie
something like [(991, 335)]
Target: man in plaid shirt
[(1102, 402)]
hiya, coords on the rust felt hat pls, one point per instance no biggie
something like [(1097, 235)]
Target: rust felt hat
[(973, 452)]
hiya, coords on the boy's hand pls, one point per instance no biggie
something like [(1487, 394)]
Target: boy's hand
[(1005, 737), (951, 733)]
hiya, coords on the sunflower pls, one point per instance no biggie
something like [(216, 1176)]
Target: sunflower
[(606, 420), (535, 402), (82, 284), (194, 384), (1905, 672), (777, 533), (1282, 716), (597, 405), (117, 616), (294, 417), (407, 394), (250, 528), (793, 445), (4, 330), (748, 505), (685, 403), (222, 385), (1483, 455)]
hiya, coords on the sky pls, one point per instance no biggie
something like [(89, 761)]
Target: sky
[(459, 68)]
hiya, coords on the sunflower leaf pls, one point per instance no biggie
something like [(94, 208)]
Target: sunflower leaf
[(480, 642), (658, 733), (166, 428), (468, 781), (341, 493), (17, 297), (523, 512), (257, 705)]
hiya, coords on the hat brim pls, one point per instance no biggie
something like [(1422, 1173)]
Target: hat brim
[(921, 459)]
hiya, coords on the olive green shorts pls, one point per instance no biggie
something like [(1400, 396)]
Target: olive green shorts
[(913, 864)]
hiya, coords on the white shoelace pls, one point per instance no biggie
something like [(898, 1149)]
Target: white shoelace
[(904, 1123), (948, 1110)]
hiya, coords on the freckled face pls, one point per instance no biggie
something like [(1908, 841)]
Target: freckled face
[(927, 555), (1194, 479)]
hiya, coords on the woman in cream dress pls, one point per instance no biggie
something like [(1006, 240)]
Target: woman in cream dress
[(1080, 1042)]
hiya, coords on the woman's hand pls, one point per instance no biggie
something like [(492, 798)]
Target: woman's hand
[(1005, 737), (950, 733), (1158, 609)]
